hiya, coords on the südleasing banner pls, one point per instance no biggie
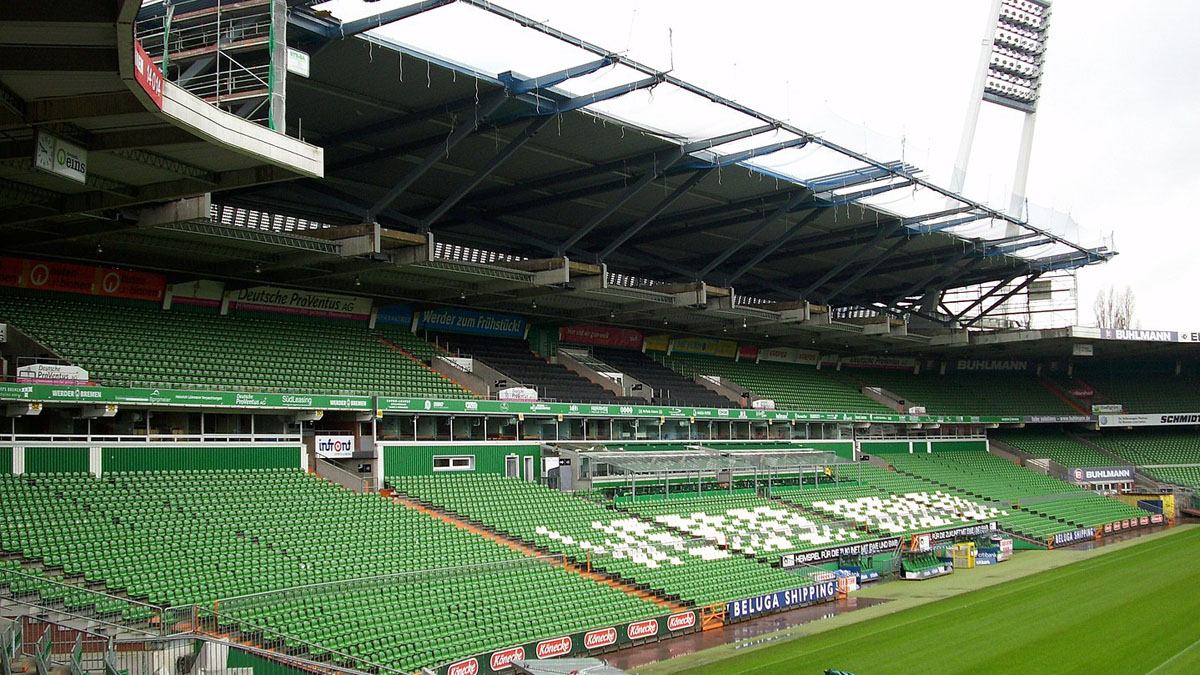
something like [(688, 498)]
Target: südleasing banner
[(307, 303)]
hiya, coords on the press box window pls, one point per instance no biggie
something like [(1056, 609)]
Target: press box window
[(454, 463)]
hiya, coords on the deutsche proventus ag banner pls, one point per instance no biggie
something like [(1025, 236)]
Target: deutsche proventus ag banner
[(779, 600), (306, 303)]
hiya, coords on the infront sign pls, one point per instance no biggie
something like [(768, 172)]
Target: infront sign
[(54, 155), (341, 445), (464, 667), (3, 333), (548, 649), (763, 404)]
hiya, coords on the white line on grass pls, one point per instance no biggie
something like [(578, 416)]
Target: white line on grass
[(1177, 655)]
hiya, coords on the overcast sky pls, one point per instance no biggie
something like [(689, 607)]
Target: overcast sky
[(1117, 126)]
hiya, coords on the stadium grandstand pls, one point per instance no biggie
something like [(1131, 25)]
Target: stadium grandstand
[(327, 347)]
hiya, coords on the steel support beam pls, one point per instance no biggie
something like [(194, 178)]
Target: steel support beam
[(352, 28), (519, 85), (621, 164), (983, 298), (653, 213), (772, 247), (460, 133), (463, 190), (883, 233), (866, 269), (1020, 287), (775, 215), (630, 192)]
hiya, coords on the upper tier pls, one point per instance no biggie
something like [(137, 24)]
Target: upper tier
[(135, 343)]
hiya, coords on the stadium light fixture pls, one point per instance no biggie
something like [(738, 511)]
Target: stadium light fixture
[(357, 280), (1011, 63), (257, 268), (99, 246), (533, 305)]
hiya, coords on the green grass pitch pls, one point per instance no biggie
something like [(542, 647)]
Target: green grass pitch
[(1136, 610)]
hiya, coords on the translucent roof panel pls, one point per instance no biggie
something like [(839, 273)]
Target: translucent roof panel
[(477, 40)]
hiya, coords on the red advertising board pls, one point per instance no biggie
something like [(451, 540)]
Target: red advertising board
[(147, 74), (86, 279), (608, 336), (747, 352)]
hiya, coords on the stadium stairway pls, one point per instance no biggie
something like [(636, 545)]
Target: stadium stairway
[(491, 535), (514, 359), (670, 388)]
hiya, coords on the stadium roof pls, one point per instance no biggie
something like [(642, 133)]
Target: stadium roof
[(557, 147), (562, 180)]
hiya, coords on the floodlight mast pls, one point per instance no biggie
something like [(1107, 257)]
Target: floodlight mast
[(1011, 63)]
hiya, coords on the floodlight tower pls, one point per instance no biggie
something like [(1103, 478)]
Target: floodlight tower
[(1011, 62)]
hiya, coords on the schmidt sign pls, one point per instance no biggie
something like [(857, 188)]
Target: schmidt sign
[(1109, 474)]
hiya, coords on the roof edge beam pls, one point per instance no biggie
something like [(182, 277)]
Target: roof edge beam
[(517, 85), (352, 28)]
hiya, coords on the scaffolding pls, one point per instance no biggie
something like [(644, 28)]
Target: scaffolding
[(231, 53)]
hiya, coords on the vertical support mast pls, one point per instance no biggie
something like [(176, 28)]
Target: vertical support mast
[(959, 178)]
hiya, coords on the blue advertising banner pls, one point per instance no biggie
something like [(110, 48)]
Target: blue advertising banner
[(395, 315), (740, 609), (453, 320), (1075, 536), (987, 556)]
